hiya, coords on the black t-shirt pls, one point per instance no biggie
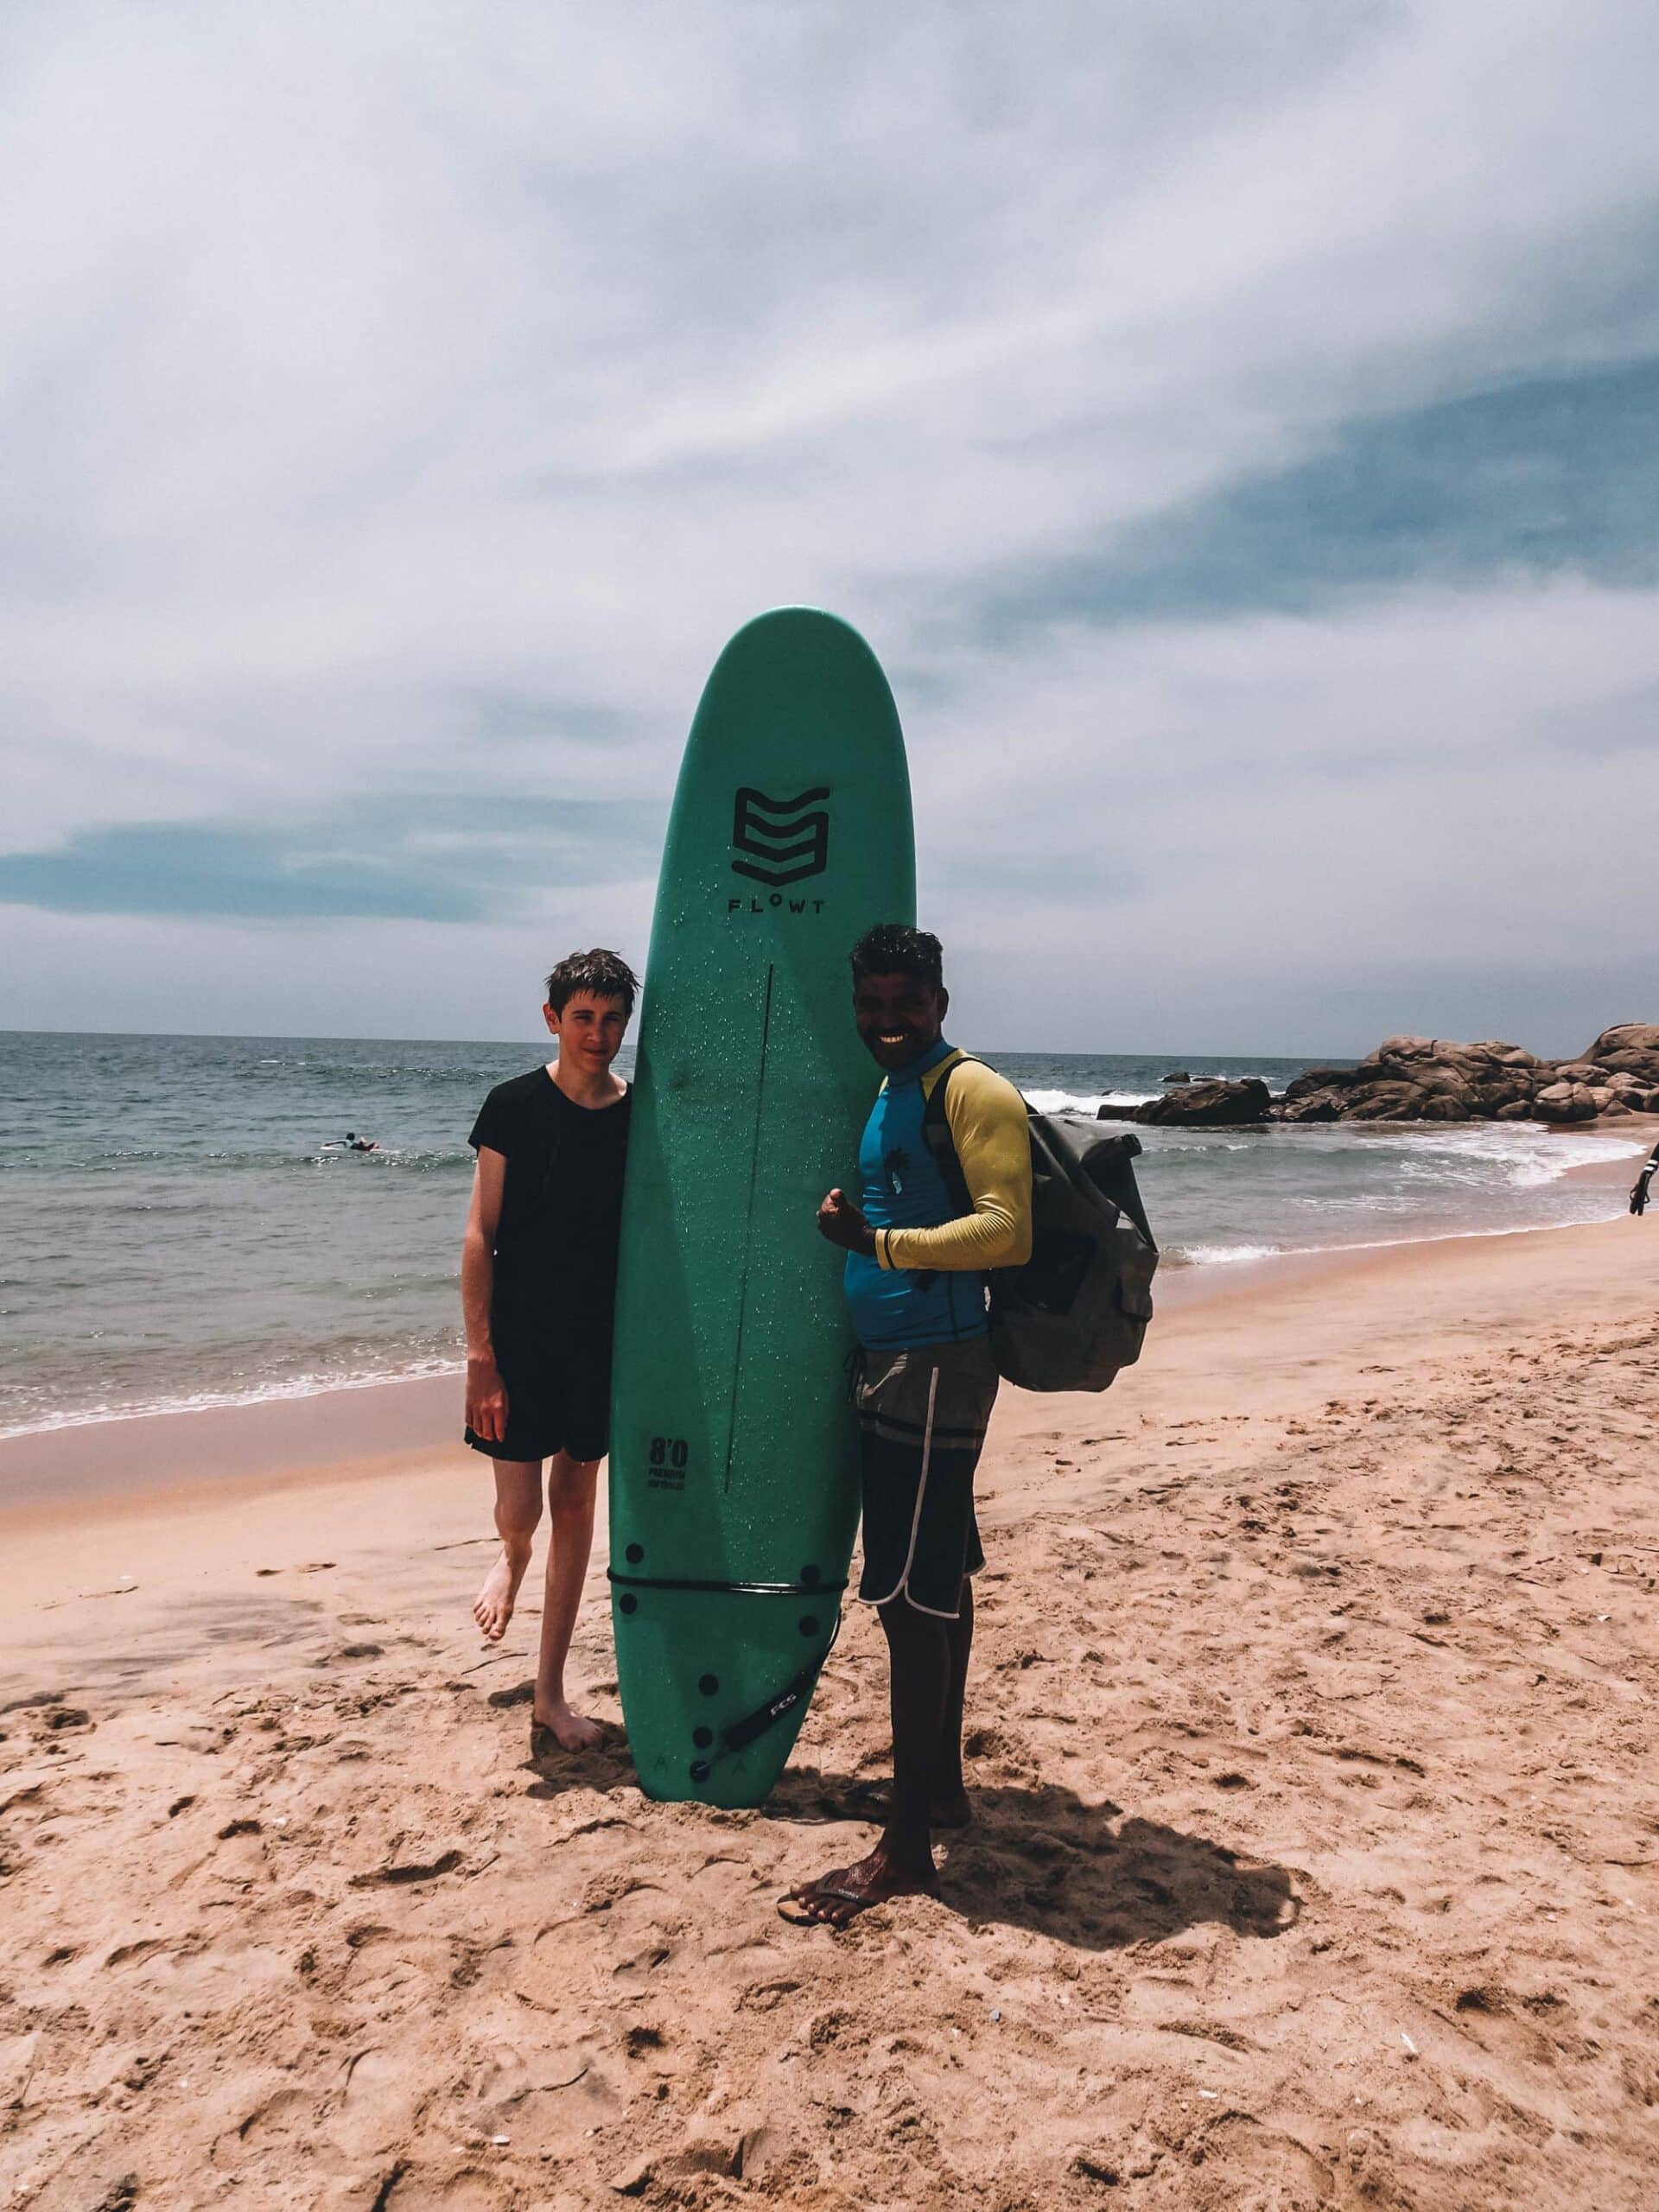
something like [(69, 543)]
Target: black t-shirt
[(562, 1205)]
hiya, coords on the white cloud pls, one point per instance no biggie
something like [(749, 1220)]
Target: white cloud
[(356, 366)]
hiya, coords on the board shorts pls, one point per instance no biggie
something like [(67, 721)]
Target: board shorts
[(557, 1401), (922, 1417)]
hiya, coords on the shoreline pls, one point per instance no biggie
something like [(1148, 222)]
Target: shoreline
[(288, 1434), (339, 1433), (143, 1469)]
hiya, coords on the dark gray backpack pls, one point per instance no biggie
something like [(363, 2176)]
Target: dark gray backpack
[(1078, 1311)]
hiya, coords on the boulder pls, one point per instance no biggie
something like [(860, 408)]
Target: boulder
[(1179, 1075), (1445, 1081), (1319, 1094), (1330, 1105), (1564, 1102), (1209, 1105), (1480, 1078), (1629, 1048), (1508, 1055), (1408, 1056), (1407, 1101), (1508, 1086), (1402, 1048), (1611, 1099), (1313, 1079), (1580, 1072)]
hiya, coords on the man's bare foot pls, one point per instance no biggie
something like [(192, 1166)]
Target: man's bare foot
[(570, 1730), (492, 1607), (840, 1895)]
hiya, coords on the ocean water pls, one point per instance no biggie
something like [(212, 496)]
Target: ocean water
[(175, 1231)]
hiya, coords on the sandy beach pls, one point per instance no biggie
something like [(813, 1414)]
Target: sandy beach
[(1315, 1863), (706, 708)]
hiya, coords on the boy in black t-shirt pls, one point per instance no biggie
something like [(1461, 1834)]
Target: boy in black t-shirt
[(539, 1287)]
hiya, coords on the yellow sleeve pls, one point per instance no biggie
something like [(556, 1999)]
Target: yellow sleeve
[(990, 1129)]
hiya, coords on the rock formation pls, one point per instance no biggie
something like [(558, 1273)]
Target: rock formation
[(1431, 1079), (1416, 1079), (1209, 1105)]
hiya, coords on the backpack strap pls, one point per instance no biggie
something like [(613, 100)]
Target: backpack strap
[(942, 1146), (936, 1136)]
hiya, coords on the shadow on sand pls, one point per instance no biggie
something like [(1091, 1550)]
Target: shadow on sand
[(1037, 1857)]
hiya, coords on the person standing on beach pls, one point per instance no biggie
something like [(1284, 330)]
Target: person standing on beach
[(916, 1287), (1639, 1188), (538, 1291)]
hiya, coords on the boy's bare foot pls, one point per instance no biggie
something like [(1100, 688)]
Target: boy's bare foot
[(570, 1730), (492, 1607), (840, 1895)]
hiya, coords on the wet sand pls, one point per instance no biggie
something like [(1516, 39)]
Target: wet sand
[(1315, 1863)]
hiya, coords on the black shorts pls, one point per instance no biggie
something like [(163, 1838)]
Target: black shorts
[(557, 1401), (921, 1416)]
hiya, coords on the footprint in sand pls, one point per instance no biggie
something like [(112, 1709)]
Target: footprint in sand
[(275, 2122), (348, 1651), (61, 1719), (410, 1871), (403, 2190)]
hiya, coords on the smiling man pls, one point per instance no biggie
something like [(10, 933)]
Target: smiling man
[(943, 1197)]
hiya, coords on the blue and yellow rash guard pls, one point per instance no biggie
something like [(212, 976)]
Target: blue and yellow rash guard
[(926, 1284)]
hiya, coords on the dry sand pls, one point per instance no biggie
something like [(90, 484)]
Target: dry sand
[(1316, 1858)]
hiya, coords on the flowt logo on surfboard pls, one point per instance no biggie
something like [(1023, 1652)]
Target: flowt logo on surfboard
[(781, 841)]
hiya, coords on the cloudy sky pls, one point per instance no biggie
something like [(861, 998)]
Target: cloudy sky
[(1236, 428)]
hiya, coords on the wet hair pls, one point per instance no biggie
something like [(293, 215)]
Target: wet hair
[(607, 974), (895, 949)]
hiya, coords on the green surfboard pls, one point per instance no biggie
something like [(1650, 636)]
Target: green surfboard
[(733, 1490)]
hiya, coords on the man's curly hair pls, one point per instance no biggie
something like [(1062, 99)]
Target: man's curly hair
[(895, 949)]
